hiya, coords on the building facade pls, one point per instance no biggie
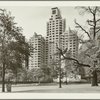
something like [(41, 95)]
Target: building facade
[(57, 36), (44, 50), (71, 42), (37, 56), (55, 27)]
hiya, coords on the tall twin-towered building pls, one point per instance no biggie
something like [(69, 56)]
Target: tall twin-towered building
[(56, 36), (55, 28)]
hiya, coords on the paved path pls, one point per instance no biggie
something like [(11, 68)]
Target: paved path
[(71, 88)]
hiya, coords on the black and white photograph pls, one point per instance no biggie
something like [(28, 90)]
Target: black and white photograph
[(49, 47)]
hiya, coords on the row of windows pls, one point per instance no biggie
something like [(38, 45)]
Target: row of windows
[(60, 32), (54, 29), (54, 26), (55, 21), (57, 18)]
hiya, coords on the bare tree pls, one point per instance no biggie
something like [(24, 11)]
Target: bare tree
[(92, 52), (94, 28), (93, 23)]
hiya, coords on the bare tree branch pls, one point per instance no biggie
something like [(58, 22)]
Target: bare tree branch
[(97, 20), (80, 64), (74, 59), (97, 30), (64, 51), (89, 22), (95, 11), (82, 9), (87, 55), (79, 26), (90, 10)]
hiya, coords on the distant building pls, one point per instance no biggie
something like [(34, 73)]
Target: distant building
[(70, 41), (37, 56)]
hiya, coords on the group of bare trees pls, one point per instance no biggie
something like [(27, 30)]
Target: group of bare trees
[(90, 57), (92, 53)]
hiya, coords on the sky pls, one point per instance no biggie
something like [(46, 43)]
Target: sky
[(34, 18)]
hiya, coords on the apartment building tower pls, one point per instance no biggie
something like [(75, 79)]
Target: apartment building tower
[(37, 56), (55, 27)]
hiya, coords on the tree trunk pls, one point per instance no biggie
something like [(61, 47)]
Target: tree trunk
[(16, 76), (39, 80), (3, 78), (66, 79), (94, 81)]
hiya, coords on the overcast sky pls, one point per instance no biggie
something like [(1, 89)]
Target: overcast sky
[(33, 19)]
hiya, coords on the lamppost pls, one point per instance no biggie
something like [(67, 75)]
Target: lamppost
[(60, 71), (59, 63)]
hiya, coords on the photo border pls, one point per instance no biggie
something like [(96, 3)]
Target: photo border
[(78, 96)]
